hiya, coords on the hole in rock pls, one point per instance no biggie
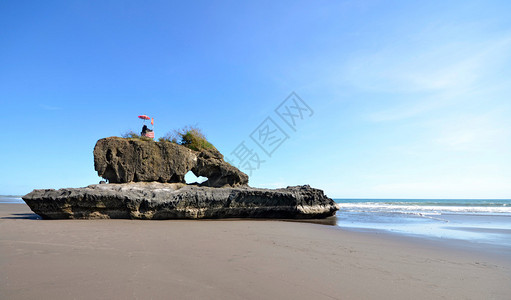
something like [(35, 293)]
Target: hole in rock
[(191, 178), (109, 155)]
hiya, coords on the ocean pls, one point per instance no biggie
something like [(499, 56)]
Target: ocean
[(11, 199), (483, 222)]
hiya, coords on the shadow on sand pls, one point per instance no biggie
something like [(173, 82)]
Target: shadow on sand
[(28, 216), (331, 221)]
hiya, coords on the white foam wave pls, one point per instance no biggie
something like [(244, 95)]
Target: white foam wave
[(424, 209), (11, 199)]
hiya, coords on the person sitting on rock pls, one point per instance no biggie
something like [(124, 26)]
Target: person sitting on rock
[(144, 130)]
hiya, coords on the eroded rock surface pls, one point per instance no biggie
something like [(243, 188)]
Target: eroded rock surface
[(133, 160), (211, 164), (147, 182), (179, 201)]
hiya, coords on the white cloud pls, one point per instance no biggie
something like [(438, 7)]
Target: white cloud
[(472, 133), (412, 108), (439, 65), (420, 77)]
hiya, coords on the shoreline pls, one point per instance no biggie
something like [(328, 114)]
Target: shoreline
[(490, 251), (234, 259)]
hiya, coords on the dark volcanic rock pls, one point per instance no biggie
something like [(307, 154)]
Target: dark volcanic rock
[(133, 160), (211, 164), (178, 201), (147, 182)]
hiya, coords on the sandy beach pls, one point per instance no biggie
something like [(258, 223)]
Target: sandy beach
[(232, 259)]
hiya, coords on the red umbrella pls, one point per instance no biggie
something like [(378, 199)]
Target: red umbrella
[(144, 117)]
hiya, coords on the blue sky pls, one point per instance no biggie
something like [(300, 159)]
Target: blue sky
[(410, 99)]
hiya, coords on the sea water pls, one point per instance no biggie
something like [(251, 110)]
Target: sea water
[(11, 199), (477, 221)]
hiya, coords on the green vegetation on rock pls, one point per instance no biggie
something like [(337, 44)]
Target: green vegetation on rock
[(190, 137)]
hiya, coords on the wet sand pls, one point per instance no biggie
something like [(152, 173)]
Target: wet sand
[(225, 259)]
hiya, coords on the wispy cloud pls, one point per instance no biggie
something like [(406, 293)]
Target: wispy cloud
[(472, 132), (414, 106), (422, 77), (439, 65)]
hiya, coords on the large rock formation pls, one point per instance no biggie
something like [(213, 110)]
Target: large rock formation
[(123, 160), (147, 182), (178, 201)]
